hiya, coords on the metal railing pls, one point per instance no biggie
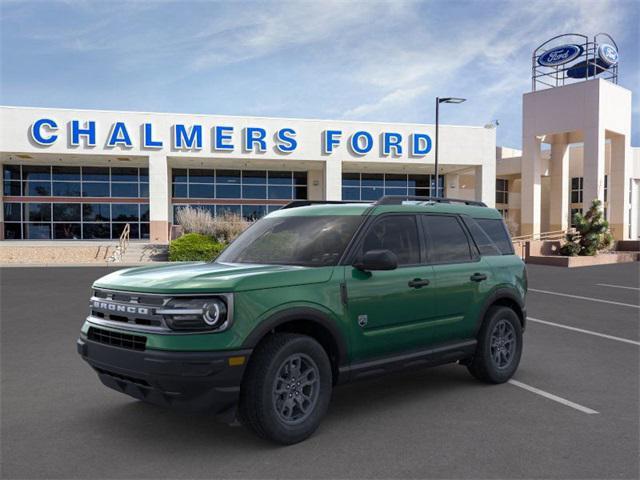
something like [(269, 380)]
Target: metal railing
[(552, 235), (123, 243)]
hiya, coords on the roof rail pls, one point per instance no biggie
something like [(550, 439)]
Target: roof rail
[(398, 199), (306, 203)]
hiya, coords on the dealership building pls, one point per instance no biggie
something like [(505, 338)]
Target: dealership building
[(86, 174)]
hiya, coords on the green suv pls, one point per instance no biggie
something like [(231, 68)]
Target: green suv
[(310, 297)]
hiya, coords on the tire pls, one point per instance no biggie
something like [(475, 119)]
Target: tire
[(271, 404), (497, 363)]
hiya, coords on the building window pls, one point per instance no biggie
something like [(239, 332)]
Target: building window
[(576, 190), (606, 187), (258, 192), (63, 181), (63, 212), (74, 221), (504, 212), (372, 186), (502, 190), (573, 212)]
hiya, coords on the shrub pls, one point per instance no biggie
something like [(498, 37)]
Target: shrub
[(591, 235), (194, 247), (223, 228)]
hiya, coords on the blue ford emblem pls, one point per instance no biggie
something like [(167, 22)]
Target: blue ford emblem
[(608, 54), (560, 55)]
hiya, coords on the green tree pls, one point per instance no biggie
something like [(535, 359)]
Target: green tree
[(592, 233)]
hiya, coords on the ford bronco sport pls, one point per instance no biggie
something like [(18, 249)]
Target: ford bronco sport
[(309, 297)]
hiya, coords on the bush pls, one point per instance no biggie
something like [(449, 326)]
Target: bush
[(591, 235), (223, 228), (194, 247)]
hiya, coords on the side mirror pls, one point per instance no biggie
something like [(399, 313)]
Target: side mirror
[(377, 260)]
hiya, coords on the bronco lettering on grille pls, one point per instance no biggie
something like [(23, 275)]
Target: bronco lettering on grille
[(116, 307)]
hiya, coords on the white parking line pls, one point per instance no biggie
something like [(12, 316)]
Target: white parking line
[(589, 332), (585, 298), (553, 397), (616, 286)]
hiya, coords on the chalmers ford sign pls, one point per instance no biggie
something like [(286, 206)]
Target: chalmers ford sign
[(222, 138)]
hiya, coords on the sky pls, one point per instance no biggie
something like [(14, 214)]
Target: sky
[(344, 60)]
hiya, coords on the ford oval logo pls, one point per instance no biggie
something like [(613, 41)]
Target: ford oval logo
[(560, 55), (608, 54)]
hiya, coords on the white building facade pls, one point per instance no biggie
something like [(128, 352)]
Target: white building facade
[(85, 174)]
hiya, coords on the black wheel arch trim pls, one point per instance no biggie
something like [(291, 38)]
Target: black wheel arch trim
[(300, 314), (503, 293)]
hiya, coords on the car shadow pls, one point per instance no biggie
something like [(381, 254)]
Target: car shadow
[(194, 433)]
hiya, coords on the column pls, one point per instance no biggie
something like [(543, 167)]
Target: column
[(332, 179), (593, 167), (619, 185), (1, 208), (159, 198), (531, 186), (485, 183), (315, 188), (452, 185), (559, 195)]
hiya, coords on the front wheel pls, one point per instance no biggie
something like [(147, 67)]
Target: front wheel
[(286, 389), (499, 346)]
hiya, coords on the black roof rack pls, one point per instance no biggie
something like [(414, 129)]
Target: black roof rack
[(306, 203), (386, 200), (398, 199)]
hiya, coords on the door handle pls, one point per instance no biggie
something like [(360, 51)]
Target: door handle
[(418, 282), (478, 277)]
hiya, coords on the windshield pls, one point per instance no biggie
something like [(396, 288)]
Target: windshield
[(314, 241)]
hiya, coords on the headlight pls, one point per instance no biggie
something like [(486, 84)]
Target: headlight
[(210, 313)]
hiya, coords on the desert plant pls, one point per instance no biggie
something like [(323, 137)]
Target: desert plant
[(223, 228), (194, 247), (591, 233), (512, 226), (228, 226)]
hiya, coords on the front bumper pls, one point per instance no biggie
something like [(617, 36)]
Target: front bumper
[(189, 380)]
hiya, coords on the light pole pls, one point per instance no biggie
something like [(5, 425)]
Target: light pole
[(438, 102)]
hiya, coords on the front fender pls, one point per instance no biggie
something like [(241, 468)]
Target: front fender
[(286, 313)]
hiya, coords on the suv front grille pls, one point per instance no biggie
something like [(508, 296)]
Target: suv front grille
[(117, 339), (128, 308)]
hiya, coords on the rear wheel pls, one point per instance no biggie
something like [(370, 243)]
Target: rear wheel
[(286, 389), (499, 346)]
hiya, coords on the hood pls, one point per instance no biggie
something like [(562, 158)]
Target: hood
[(200, 277)]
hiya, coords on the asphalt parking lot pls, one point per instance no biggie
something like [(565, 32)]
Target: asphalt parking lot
[(572, 411)]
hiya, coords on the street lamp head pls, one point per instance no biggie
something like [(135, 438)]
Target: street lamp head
[(451, 100)]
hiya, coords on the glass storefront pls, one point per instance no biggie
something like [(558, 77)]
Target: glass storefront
[(63, 213), (258, 192), (372, 186)]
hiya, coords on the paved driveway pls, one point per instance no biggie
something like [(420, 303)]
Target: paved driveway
[(572, 411)]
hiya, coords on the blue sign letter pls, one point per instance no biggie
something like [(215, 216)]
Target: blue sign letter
[(330, 141), (286, 141), (421, 144), (391, 140), (184, 139), (147, 138), (36, 131), (89, 131), (221, 137), (355, 142), (119, 136), (255, 135)]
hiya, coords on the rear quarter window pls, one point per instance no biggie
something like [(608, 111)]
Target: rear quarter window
[(497, 232)]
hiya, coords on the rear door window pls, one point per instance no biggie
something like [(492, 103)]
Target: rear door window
[(485, 245), (497, 231), (448, 243), (397, 233)]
